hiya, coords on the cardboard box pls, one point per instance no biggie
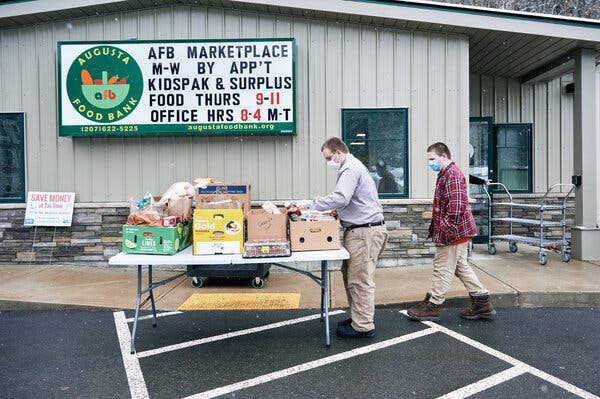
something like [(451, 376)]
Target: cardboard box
[(314, 236), (263, 225), (156, 240), (218, 231), (240, 192)]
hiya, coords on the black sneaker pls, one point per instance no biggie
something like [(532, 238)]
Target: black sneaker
[(347, 331), (346, 322)]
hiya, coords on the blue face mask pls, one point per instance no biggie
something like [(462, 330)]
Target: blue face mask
[(434, 165)]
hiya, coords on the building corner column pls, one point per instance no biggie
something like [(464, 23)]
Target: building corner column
[(585, 234)]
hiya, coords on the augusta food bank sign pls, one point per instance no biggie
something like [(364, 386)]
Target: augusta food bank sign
[(177, 88)]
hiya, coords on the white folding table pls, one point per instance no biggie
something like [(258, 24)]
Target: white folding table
[(186, 257)]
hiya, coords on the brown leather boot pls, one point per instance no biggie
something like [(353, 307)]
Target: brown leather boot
[(481, 308), (424, 311)]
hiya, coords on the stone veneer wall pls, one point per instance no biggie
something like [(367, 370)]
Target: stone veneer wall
[(95, 234)]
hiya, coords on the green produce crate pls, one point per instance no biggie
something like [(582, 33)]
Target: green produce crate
[(156, 240)]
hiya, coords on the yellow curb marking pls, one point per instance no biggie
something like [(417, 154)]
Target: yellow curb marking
[(239, 301)]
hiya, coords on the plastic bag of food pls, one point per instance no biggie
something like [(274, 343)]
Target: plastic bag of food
[(176, 191)]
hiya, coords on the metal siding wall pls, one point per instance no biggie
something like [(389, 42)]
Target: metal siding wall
[(514, 101), (554, 134), (402, 71), (474, 95), (566, 140), (317, 100), (436, 80), (540, 138), (487, 95), (500, 100), (420, 180), (337, 65), (462, 60)]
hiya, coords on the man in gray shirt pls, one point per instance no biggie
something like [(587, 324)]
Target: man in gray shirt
[(356, 201)]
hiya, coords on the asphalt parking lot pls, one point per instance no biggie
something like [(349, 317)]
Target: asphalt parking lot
[(524, 353)]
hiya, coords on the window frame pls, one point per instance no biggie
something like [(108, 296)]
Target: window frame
[(20, 116), (343, 114)]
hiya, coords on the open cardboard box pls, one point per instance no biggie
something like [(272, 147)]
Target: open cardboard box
[(314, 236), (263, 225)]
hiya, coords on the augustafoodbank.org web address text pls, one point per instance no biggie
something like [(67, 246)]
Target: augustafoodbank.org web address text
[(232, 126)]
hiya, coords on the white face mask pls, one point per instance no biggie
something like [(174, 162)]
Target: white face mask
[(333, 165)]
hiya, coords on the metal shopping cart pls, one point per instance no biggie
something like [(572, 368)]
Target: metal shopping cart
[(545, 207)]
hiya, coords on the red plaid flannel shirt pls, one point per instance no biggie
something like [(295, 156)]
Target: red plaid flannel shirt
[(452, 217)]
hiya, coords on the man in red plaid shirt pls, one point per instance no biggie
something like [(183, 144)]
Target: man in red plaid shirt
[(452, 227)]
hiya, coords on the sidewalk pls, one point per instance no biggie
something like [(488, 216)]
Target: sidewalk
[(514, 279)]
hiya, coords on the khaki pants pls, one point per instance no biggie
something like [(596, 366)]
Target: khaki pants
[(365, 245), (451, 260)]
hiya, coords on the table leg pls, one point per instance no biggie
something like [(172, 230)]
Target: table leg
[(325, 300), (137, 308), (151, 295)]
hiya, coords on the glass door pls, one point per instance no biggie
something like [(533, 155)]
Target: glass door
[(513, 157), (481, 157)]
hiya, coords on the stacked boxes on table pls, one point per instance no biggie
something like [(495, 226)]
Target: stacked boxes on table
[(219, 218), (218, 227)]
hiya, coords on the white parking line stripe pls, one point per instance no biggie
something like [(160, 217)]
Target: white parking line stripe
[(309, 365), (530, 369), (484, 384), (130, 320), (135, 378), (206, 340)]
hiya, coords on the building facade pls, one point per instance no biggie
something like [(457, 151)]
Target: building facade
[(389, 78)]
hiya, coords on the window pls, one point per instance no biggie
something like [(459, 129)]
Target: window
[(378, 137), (513, 156), (12, 159)]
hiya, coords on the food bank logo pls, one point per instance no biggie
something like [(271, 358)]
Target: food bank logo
[(104, 84)]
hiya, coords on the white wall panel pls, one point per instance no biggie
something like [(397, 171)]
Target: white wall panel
[(566, 140), (284, 146), (540, 137), (487, 95), (514, 101), (554, 136), (500, 100), (338, 65), (462, 60), (421, 185), (402, 70), (474, 95), (436, 89)]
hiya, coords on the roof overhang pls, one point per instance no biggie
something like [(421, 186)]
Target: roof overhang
[(502, 43)]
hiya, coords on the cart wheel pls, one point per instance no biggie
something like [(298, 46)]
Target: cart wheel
[(542, 258), (512, 247), (197, 282), (258, 282), (491, 249), (565, 256)]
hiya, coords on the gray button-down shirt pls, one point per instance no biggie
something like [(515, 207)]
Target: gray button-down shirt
[(355, 197)]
